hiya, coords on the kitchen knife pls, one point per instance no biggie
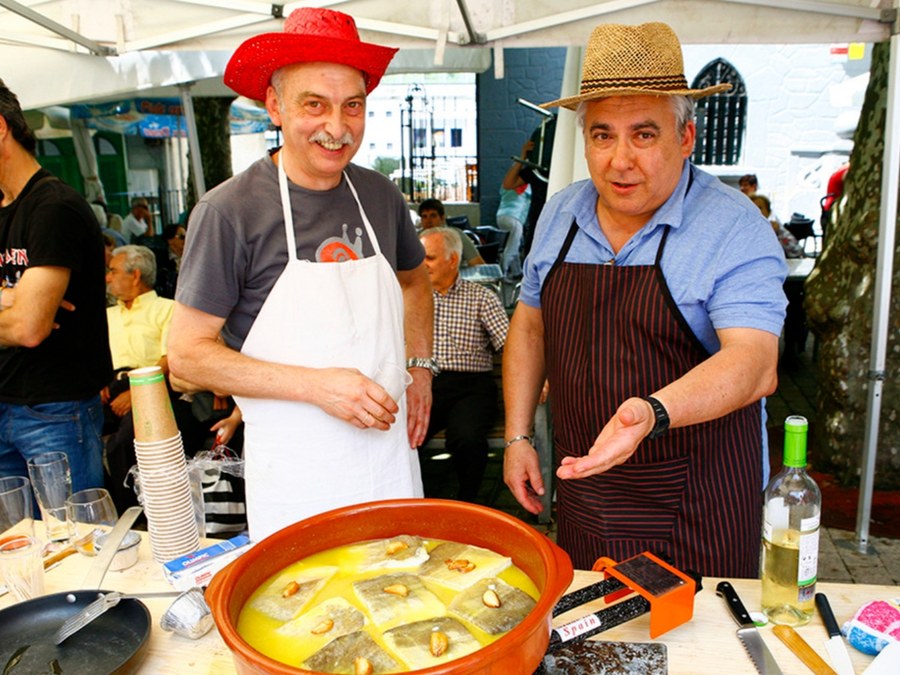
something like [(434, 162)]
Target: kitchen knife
[(747, 633), (97, 570), (835, 646)]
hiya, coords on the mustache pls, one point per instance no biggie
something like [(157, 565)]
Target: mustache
[(325, 137)]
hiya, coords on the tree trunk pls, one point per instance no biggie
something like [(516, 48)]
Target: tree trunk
[(214, 137), (840, 306)]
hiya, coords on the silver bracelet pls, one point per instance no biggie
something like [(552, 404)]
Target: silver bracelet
[(516, 439)]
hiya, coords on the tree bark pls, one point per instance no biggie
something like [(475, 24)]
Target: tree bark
[(840, 307), (214, 137)]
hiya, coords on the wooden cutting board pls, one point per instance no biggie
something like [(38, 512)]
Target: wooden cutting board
[(594, 657)]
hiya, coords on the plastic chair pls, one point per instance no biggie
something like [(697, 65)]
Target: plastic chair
[(494, 243), (803, 229), (462, 222)]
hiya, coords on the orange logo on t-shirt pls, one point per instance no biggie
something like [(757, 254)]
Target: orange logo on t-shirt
[(341, 249)]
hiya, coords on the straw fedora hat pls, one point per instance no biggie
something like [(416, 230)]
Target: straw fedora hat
[(310, 35), (640, 60)]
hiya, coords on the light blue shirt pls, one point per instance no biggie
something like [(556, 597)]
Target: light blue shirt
[(722, 261)]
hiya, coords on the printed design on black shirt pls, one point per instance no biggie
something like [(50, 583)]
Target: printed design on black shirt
[(13, 263), (341, 249)]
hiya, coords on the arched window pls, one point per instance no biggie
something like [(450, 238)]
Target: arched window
[(720, 118), (104, 147)]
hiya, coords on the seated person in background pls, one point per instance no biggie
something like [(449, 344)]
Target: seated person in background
[(512, 214), (792, 248), (109, 245), (431, 214), (168, 262), (470, 325), (138, 334), (140, 221), (748, 184), (833, 194), (113, 220), (101, 216)]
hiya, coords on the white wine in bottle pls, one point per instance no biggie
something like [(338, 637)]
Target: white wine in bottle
[(790, 537)]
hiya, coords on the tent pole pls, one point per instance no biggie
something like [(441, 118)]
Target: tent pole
[(565, 155), (887, 224), (193, 142), (58, 28)]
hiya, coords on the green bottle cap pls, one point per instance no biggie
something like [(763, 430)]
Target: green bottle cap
[(795, 428)]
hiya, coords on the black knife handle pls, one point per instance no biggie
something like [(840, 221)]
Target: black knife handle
[(725, 590), (831, 624)]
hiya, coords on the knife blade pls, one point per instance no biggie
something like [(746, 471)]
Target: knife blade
[(97, 570), (748, 635), (835, 646)]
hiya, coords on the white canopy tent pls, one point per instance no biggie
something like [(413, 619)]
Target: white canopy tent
[(65, 51), (75, 50)]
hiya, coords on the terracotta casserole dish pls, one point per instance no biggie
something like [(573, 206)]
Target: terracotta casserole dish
[(519, 651)]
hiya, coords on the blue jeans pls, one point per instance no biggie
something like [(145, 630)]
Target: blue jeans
[(73, 427)]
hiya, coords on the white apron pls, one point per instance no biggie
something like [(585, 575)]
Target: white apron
[(300, 461)]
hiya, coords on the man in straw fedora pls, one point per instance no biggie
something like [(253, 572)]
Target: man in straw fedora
[(652, 301), (311, 270)]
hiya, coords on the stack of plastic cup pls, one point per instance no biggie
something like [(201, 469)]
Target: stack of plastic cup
[(165, 484)]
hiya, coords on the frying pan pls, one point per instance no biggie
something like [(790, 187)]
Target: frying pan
[(113, 643)]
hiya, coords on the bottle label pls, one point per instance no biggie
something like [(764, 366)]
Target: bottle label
[(767, 531), (777, 515), (811, 523), (809, 559)]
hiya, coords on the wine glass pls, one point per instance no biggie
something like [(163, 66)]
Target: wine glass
[(91, 513)]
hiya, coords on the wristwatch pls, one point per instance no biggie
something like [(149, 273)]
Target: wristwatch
[(430, 364), (662, 418)]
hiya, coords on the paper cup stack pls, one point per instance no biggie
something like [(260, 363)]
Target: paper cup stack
[(165, 484)]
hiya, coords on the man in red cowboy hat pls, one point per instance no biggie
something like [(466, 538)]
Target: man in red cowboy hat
[(652, 301), (310, 269)]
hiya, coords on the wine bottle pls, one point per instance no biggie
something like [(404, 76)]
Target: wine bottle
[(790, 537)]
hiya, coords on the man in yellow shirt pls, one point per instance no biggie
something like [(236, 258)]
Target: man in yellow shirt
[(139, 321), (138, 334)]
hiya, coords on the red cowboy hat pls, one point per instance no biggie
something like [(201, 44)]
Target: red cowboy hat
[(310, 35)]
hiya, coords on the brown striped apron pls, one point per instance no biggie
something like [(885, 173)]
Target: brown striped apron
[(693, 495)]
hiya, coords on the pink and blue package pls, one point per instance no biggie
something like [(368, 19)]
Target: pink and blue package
[(875, 625)]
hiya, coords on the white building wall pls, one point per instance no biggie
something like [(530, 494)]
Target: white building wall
[(799, 100)]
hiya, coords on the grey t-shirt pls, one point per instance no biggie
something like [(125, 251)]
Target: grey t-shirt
[(236, 246)]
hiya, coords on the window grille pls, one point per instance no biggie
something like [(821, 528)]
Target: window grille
[(721, 118)]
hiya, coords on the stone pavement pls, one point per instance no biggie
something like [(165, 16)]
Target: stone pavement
[(841, 561)]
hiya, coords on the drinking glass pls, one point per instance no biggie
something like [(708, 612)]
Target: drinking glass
[(16, 510), (22, 567), (91, 513), (393, 378), (51, 480)]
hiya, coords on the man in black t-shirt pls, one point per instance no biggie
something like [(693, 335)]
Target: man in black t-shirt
[(54, 351)]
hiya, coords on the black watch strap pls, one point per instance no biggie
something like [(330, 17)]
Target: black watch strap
[(662, 418)]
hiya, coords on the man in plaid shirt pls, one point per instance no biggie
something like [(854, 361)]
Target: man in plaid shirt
[(470, 325)]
